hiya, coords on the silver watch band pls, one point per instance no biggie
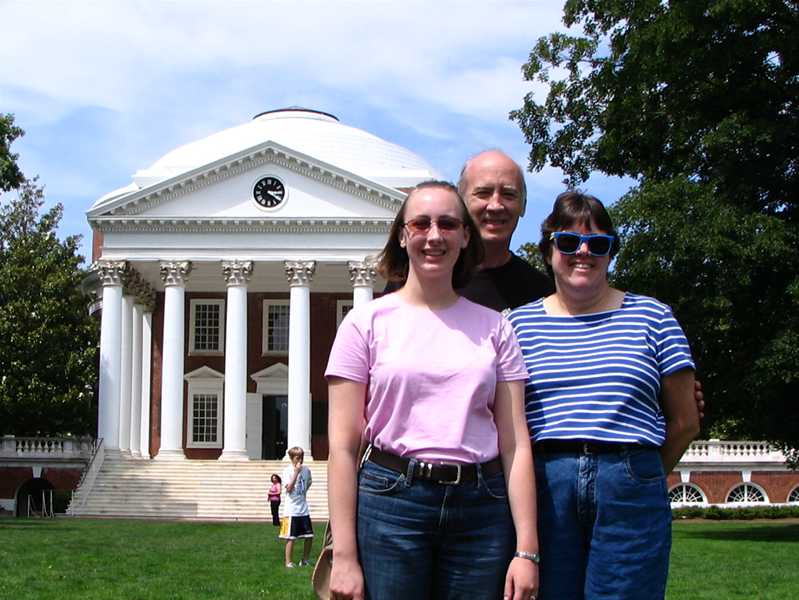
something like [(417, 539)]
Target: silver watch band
[(532, 556)]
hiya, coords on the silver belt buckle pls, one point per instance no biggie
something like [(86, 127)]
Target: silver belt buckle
[(457, 479)]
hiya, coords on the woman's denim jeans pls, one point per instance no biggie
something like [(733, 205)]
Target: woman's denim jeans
[(419, 540), (604, 525)]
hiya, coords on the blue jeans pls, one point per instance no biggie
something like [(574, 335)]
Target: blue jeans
[(604, 525), (420, 540)]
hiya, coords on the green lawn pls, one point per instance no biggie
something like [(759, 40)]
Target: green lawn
[(76, 558)]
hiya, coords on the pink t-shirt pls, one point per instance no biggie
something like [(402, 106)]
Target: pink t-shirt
[(431, 375)]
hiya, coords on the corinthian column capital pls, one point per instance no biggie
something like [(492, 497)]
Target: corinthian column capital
[(110, 272), (362, 272), (175, 272), (299, 272), (236, 272)]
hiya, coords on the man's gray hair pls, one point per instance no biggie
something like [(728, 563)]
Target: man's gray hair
[(462, 177)]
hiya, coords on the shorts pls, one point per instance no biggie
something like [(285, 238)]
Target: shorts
[(292, 528)]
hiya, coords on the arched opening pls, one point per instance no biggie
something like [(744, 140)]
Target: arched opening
[(686, 494), (36, 490), (747, 493)]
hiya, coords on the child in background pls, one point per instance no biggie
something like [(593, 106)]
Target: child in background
[(296, 521), (274, 498)]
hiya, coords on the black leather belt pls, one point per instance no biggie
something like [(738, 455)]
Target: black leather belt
[(580, 447), (447, 473)]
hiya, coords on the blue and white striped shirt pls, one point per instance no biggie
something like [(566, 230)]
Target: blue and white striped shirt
[(597, 376)]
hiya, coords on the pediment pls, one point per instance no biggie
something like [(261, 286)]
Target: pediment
[(221, 194), (204, 372), (276, 371)]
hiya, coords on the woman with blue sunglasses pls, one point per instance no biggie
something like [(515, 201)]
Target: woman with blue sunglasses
[(610, 408)]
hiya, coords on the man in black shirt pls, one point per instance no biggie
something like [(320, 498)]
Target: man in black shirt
[(493, 186)]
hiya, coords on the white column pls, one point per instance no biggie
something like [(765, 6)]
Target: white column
[(362, 276), (174, 275), (110, 274), (299, 274), (235, 441), (146, 357), (135, 380), (125, 374)]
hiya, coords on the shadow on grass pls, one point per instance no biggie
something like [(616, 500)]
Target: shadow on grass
[(750, 533)]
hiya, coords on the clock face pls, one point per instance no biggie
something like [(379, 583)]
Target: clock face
[(269, 192)]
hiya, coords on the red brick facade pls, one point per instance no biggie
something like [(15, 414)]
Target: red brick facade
[(323, 330)]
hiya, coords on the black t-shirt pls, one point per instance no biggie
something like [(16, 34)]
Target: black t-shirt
[(515, 283)]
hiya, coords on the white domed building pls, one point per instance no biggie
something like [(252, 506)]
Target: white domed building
[(224, 269)]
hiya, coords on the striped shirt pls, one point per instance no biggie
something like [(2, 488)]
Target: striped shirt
[(597, 376)]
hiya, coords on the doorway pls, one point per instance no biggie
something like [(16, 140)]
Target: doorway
[(274, 431)]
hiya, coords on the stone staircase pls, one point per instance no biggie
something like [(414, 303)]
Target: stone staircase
[(203, 490)]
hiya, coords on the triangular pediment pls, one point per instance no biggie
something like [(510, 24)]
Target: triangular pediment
[(221, 194), (276, 371), (204, 372)]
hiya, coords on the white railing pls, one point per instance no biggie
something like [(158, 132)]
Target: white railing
[(83, 490), (67, 448), (717, 451)]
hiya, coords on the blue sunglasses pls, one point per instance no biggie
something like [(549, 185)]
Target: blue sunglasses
[(599, 244)]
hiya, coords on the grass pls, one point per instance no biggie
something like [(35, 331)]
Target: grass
[(92, 559), (735, 559)]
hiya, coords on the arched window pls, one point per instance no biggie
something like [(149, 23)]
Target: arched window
[(793, 497), (746, 493), (686, 494)]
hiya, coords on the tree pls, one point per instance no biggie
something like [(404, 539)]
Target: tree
[(698, 100), (47, 339)]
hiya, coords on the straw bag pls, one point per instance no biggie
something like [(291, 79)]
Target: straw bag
[(324, 564)]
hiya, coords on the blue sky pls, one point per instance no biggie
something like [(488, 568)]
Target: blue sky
[(105, 88)]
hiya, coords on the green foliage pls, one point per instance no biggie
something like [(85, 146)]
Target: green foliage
[(745, 513), (10, 175), (699, 101), (47, 339), (530, 252)]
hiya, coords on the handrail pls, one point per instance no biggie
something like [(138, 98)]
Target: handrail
[(88, 476)]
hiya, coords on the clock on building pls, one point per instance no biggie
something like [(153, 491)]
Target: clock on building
[(269, 192)]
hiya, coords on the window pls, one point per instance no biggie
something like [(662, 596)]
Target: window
[(793, 497), (746, 493), (207, 327), (205, 408), (276, 327), (686, 493), (342, 308)]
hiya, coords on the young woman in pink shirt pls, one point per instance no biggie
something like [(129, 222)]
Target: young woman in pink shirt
[(443, 503)]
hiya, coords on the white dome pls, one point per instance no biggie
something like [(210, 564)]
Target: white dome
[(316, 134)]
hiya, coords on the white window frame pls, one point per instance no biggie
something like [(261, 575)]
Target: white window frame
[(747, 502), (192, 317), (340, 305), (794, 492), (206, 385), (265, 351), (693, 486)]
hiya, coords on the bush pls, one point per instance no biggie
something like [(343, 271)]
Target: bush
[(717, 513)]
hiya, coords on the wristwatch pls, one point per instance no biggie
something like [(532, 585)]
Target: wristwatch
[(532, 556)]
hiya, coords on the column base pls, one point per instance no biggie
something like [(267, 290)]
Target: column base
[(176, 455), (234, 455), (135, 454), (125, 452)]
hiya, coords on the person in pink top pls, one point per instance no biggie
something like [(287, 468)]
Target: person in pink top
[(274, 498), (442, 505)]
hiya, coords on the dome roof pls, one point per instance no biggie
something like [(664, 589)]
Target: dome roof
[(313, 133)]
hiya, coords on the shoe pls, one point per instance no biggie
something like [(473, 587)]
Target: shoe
[(305, 563), (290, 565)]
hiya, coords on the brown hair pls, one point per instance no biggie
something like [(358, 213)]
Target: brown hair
[(296, 452), (575, 208), (393, 264)]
